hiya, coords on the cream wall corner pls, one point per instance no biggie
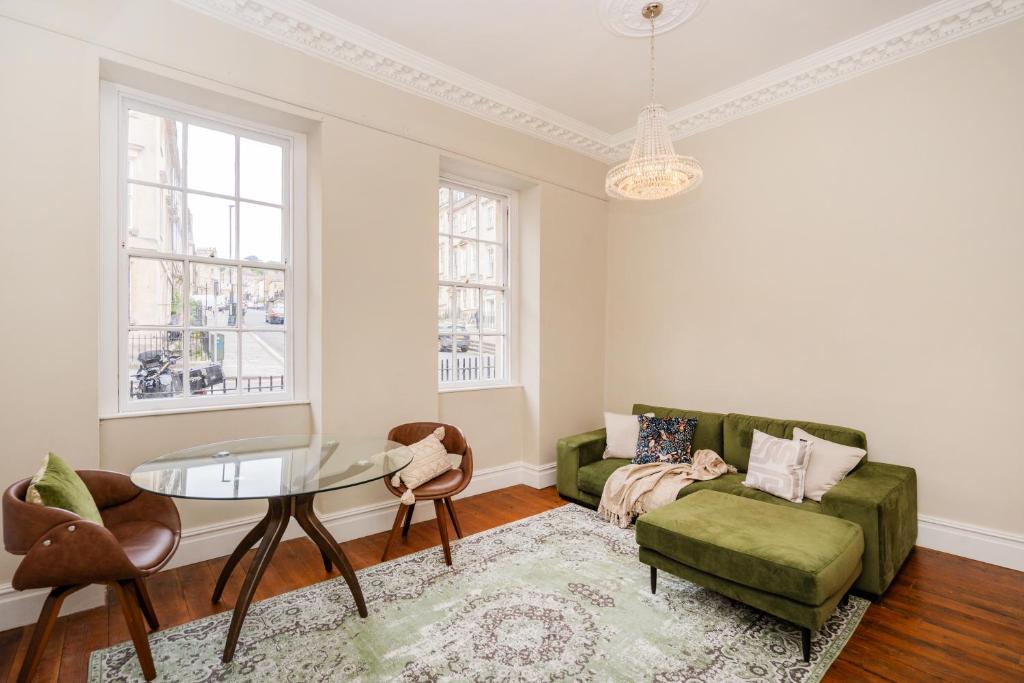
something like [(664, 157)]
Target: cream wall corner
[(853, 257)]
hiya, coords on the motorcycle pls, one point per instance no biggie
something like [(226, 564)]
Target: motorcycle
[(157, 376)]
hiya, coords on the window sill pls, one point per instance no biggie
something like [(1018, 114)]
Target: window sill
[(482, 387), (202, 409)]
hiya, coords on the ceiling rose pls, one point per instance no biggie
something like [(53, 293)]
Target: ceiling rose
[(625, 18)]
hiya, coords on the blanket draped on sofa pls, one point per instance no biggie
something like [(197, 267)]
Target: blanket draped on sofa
[(635, 489)]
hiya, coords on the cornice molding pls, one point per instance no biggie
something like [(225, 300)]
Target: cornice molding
[(305, 27), (913, 34)]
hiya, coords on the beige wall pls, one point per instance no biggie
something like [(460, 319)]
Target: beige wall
[(374, 161), (852, 257)]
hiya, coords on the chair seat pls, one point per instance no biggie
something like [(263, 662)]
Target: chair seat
[(439, 486), (147, 544)]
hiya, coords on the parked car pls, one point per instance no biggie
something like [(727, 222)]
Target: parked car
[(444, 340), (275, 312)]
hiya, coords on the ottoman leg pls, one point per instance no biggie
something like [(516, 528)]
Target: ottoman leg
[(654, 579), (805, 641)]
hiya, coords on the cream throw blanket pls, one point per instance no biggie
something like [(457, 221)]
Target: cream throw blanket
[(635, 489)]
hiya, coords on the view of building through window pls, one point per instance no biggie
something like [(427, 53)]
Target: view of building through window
[(204, 258), (472, 303)]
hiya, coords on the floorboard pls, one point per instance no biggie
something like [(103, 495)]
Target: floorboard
[(944, 617)]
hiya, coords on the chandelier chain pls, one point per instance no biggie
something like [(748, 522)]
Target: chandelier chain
[(652, 59)]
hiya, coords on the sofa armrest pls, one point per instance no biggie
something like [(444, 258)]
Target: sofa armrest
[(882, 499), (573, 453)]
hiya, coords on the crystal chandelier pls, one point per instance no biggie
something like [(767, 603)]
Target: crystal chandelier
[(654, 170)]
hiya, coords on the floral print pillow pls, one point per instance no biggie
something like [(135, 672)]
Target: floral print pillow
[(665, 439)]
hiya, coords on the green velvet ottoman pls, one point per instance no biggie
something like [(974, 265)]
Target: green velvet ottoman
[(793, 564)]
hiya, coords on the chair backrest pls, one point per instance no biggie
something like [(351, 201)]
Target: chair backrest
[(454, 442), (24, 522)]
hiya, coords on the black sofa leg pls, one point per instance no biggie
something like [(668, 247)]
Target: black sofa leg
[(805, 641), (654, 579)]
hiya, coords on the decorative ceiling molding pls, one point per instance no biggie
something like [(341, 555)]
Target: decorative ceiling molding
[(625, 17), (930, 27), (305, 27)]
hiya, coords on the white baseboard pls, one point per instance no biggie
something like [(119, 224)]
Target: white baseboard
[(216, 540), (18, 608), (974, 542)]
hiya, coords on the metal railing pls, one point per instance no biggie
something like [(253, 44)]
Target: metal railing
[(248, 385), (467, 369)]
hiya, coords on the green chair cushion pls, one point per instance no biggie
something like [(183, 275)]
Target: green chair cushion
[(733, 484), (804, 557), (57, 485), (738, 434)]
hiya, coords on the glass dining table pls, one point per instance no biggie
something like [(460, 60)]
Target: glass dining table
[(287, 471)]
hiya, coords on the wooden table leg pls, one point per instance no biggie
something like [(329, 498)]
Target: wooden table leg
[(309, 522), (277, 521), (255, 534)]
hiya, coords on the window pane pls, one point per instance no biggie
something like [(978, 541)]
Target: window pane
[(464, 215), (154, 292), (214, 297), (492, 264), (445, 357), (467, 309), (492, 358), (213, 359), (465, 262), (489, 225), (263, 356), (259, 231), (467, 358), (263, 297), (259, 167), (154, 364), (153, 218), (210, 226), (444, 258), (154, 148), (492, 312), (444, 309), (211, 160), (444, 222)]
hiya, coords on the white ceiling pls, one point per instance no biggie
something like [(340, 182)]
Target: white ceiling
[(558, 54), (551, 69)]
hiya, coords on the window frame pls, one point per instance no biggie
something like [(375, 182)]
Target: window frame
[(116, 100), (508, 199)]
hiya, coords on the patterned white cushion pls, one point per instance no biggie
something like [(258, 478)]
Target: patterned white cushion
[(830, 462), (778, 466), (430, 459)]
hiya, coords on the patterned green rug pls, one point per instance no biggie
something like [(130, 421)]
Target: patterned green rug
[(558, 596)]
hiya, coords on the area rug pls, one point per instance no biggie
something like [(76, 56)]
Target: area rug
[(557, 596)]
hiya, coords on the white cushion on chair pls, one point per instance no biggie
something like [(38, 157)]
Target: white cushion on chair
[(430, 459)]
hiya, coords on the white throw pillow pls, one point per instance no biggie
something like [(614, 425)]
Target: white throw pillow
[(778, 466), (430, 459), (830, 462), (621, 434)]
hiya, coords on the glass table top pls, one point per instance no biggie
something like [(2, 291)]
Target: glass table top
[(270, 466)]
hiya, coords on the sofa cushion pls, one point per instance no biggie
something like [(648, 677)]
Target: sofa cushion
[(801, 556), (709, 425), (593, 476), (738, 434)]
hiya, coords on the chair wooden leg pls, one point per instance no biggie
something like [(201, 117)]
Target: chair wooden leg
[(442, 526), (408, 521), (43, 629), (448, 503), (396, 529), (133, 617), (142, 595)]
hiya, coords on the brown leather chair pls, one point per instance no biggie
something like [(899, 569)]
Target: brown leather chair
[(440, 489), (65, 553)]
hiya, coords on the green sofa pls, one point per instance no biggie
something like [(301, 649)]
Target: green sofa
[(880, 498)]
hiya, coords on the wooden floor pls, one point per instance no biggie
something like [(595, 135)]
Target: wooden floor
[(944, 618)]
